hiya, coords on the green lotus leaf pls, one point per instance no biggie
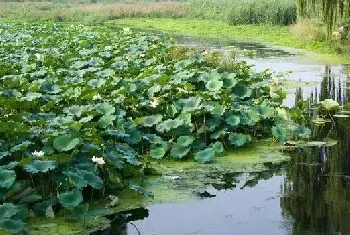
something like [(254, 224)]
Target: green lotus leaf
[(37, 166), (212, 75), (169, 124), (70, 199), (233, 120), (242, 91), (265, 111), (50, 88), (303, 132), (214, 85), (65, 143), (154, 139), (191, 104), (96, 83), (157, 153), (218, 109), (206, 155), (141, 190), (77, 179), (179, 152), (218, 133), (7, 210), (279, 133), (75, 110), (105, 73), (250, 117), (80, 211), (7, 178), (238, 139), (13, 226), (21, 147), (105, 108), (107, 120), (93, 179), (31, 198), (218, 147), (185, 140), (151, 120), (41, 207), (229, 80), (30, 96)]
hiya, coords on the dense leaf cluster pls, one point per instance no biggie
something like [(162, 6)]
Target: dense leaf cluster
[(82, 107)]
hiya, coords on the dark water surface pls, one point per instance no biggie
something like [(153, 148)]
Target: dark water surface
[(310, 195)]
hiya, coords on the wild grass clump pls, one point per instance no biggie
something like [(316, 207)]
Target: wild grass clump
[(277, 12), (309, 30)]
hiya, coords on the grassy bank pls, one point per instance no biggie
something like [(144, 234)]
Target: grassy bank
[(278, 35)]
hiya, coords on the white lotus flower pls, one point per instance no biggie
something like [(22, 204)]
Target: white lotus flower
[(98, 160), (38, 154), (97, 97), (154, 103)]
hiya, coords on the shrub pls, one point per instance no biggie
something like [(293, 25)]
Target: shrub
[(309, 30)]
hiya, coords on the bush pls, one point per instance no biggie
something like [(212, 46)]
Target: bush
[(309, 30)]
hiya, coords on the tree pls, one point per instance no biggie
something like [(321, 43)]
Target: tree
[(330, 11)]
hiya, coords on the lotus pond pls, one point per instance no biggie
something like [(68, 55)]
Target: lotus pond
[(106, 131)]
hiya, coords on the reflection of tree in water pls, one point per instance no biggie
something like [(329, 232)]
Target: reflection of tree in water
[(121, 220), (318, 186), (332, 87)]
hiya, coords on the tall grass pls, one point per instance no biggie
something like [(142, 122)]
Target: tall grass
[(233, 12), (90, 13), (277, 12)]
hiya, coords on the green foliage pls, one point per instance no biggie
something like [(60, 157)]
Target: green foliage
[(206, 155), (37, 166), (65, 143), (235, 12), (85, 109), (70, 199)]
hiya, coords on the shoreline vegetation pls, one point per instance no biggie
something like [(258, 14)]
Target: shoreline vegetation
[(270, 34), (214, 19)]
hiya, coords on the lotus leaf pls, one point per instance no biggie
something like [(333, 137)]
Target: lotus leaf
[(14, 226), (185, 141), (214, 85), (218, 147), (105, 108), (70, 199), (37, 166), (151, 120), (157, 153), (233, 120), (178, 151), (169, 124), (242, 91), (238, 139), (96, 83), (7, 210), (191, 104), (206, 155), (279, 133), (65, 143)]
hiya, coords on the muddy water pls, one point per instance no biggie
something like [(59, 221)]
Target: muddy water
[(309, 195)]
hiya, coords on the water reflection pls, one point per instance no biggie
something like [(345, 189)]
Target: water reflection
[(310, 195), (120, 222), (318, 186)]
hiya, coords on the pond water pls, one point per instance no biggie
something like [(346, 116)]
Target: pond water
[(308, 195)]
